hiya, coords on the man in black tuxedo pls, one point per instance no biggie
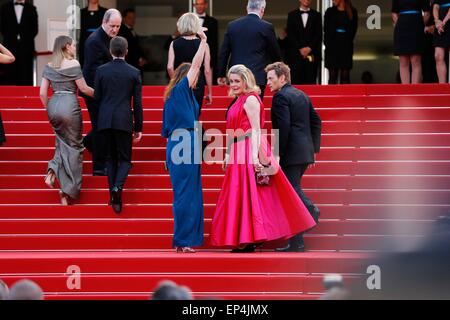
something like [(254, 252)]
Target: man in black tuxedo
[(250, 41), (135, 56), (304, 34), (299, 136), (19, 27), (96, 53), (116, 84), (212, 25)]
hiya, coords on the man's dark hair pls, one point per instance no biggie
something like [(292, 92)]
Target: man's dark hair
[(127, 11), (118, 47)]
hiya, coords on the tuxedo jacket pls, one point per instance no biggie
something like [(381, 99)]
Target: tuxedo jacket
[(96, 53), (27, 29), (299, 126), (299, 36), (213, 37), (134, 49), (118, 87), (250, 41)]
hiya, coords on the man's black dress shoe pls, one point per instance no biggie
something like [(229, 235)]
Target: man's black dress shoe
[(291, 248), (295, 244), (100, 173), (247, 249), (116, 199)]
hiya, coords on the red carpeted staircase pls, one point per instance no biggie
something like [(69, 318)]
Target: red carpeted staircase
[(381, 178)]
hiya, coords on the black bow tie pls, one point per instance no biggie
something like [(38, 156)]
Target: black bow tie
[(19, 3), (202, 17), (304, 12)]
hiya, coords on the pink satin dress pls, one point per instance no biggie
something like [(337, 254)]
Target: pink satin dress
[(247, 212)]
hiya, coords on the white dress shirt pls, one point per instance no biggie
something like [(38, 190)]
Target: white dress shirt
[(305, 17), (202, 21), (19, 11)]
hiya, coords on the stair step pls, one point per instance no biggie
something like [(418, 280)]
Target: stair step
[(197, 283), (165, 226), (165, 196), (166, 262), (219, 114), (160, 242), (328, 127), (342, 140), (336, 211), (215, 181), (18, 157)]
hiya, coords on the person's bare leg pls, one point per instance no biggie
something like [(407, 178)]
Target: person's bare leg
[(416, 63), (441, 67), (405, 75)]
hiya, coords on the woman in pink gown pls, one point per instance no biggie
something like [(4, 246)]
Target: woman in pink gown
[(249, 213)]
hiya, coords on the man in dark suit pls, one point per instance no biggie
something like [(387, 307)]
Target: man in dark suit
[(299, 136), (250, 41), (135, 56), (304, 34), (91, 18), (96, 53), (116, 84), (19, 27), (212, 25)]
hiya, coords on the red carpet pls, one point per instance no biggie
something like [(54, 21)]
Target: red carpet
[(382, 176)]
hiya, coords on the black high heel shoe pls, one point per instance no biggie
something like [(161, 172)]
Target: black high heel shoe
[(247, 249)]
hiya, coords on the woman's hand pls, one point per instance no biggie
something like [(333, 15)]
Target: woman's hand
[(225, 162), (439, 26), (208, 99), (201, 33), (257, 165), (429, 29)]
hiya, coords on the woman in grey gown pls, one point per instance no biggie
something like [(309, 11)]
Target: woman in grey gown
[(64, 75)]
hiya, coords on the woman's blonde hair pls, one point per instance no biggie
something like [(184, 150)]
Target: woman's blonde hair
[(247, 77), (179, 74), (60, 51), (188, 24)]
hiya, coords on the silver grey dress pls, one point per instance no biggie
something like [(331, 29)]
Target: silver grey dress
[(64, 114)]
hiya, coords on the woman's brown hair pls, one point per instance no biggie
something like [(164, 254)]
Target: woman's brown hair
[(178, 75), (349, 8), (60, 51)]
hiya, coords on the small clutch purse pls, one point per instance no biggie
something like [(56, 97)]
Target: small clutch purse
[(262, 178)]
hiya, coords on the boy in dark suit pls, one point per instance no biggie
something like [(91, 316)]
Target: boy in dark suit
[(299, 128), (249, 41), (116, 84), (19, 27)]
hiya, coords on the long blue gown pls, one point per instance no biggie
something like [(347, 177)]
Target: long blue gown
[(181, 111)]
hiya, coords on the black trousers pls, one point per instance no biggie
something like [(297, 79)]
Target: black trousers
[(20, 73), (294, 174), (304, 72), (93, 141), (117, 152)]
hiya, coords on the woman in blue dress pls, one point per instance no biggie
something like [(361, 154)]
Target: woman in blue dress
[(180, 114)]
